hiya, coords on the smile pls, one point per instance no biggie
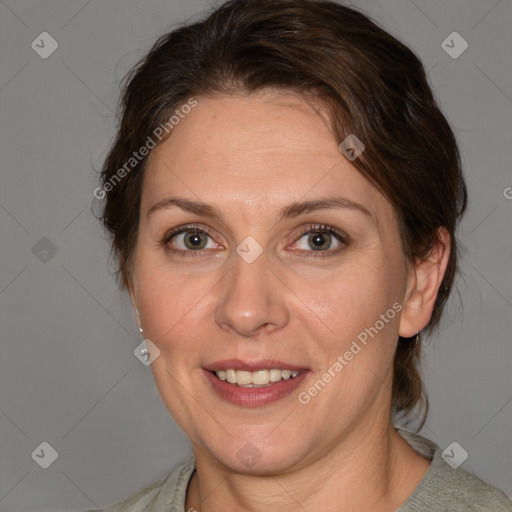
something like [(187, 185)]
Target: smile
[(258, 378), (254, 384)]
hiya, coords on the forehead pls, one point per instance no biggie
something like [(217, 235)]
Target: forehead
[(260, 149)]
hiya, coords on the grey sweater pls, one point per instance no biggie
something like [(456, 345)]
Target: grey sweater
[(441, 489)]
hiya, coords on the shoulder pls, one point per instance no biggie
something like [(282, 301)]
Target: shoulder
[(160, 494), (457, 490), (446, 488)]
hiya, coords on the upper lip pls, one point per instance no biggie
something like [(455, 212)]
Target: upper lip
[(252, 366)]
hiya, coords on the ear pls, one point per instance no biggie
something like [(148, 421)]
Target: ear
[(425, 278), (134, 304)]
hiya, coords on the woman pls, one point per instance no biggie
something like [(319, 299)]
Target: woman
[(283, 195)]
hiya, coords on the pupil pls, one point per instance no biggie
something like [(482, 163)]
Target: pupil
[(319, 240), (194, 239)]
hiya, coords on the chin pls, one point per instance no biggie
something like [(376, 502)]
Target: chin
[(258, 457)]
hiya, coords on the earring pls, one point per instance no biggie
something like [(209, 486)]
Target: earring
[(140, 330)]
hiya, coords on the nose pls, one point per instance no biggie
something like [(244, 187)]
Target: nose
[(252, 299)]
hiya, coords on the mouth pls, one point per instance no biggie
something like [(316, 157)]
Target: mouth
[(254, 384), (256, 379)]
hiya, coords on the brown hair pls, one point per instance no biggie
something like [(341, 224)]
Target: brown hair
[(372, 85)]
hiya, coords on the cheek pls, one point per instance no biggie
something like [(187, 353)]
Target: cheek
[(166, 302), (160, 294), (352, 296), (174, 307), (358, 342), (348, 309)]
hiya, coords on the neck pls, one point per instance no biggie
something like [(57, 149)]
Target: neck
[(373, 468)]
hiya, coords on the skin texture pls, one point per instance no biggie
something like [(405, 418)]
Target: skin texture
[(251, 156)]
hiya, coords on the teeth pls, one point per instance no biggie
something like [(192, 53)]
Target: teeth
[(260, 377), (244, 378), (255, 379), (275, 375)]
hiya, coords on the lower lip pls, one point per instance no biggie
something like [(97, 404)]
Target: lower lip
[(255, 397)]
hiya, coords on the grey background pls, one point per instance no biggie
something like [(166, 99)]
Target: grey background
[(67, 369)]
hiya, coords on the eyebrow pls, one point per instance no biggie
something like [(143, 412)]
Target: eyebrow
[(291, 211)]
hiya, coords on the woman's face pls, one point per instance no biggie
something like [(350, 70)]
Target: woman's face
[(263, 285)]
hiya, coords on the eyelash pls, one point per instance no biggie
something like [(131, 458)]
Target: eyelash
[(323, 228)]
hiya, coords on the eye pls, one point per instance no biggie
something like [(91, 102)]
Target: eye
[(320, 238), (190, 238)]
